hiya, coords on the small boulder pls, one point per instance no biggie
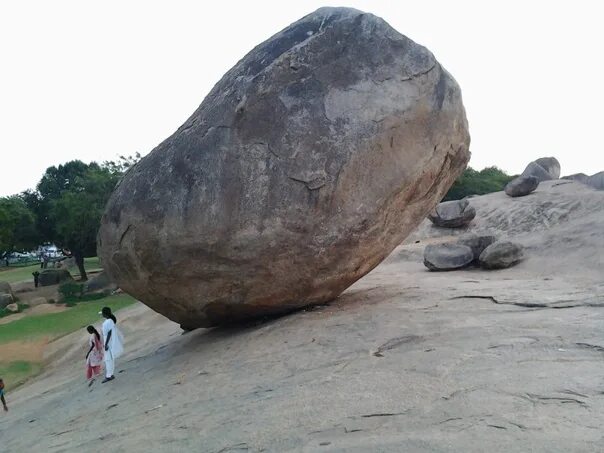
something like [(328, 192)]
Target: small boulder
[(13, 308), (453, 214), (54, 276), (477, 242), (544, 169), (500, 255), (596, 181), (447, 257), (521, 186), (6, 294), (579, 177)]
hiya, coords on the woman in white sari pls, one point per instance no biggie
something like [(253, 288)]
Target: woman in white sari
[(112, 339)]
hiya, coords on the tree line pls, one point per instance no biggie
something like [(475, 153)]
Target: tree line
[(65, 208), (68, 202)]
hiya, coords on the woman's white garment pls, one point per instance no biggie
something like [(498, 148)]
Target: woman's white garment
[(116, 345)]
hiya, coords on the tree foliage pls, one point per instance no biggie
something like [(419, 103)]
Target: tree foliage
[(473, 182), (17, 226), (69, 202)]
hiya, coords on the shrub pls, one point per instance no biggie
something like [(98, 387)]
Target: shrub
[(71, 290), (472, 182)]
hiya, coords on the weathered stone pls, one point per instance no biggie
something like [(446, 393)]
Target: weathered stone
[(477, 242), (6, 299), (544, 169), (521, 186), (303, 168), (596, 181), (54, 277), (500, 255), (6, 294), (5, 288), (13, 308), (453, 214), (550, 165), (100, 283), (580, 177), (447, 257)]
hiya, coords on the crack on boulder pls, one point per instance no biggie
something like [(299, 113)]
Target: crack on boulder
[(528, 304), (497, 426), (396, 342), (383, 414), (312, 184), (554, 399), (591, 346), (124, 234)]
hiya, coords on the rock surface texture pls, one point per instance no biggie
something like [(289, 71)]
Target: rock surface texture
[(308, 162), (447, 257), (521, 186), (500, 255), (544, 169), (453, 214), (596, 181)]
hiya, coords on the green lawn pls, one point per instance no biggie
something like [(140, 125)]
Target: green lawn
[(55, 325), (15, 373), (19, 274)]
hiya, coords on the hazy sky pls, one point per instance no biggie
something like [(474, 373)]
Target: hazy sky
[(92, 80)]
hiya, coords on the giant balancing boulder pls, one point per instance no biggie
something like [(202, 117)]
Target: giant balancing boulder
[(304, 167)]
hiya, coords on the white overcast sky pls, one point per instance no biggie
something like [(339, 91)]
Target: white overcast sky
[(92, 80)]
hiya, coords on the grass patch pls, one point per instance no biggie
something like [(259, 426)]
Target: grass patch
[(4, 312), (15, 373), (54, 325), (23, 273)]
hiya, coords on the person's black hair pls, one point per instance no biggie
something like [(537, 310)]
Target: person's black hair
[(106, 311), (91, 329)]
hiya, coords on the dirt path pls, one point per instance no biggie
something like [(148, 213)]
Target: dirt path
[(41, 309)]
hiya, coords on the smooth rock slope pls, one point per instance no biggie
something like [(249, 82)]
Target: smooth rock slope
[(304, 167)]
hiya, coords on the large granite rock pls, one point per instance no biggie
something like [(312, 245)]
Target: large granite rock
[(596, 181), (50, 277), (500, 255), (308, 162), (521, 186), (453, 214), (544, 169), (447, 257), (6, 294)]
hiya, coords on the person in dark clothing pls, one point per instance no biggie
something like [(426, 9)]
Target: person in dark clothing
[(36, 275)]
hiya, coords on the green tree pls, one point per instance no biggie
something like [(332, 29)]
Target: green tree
[(17, 226), (76, 213), (55, 181), (472, 182)]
